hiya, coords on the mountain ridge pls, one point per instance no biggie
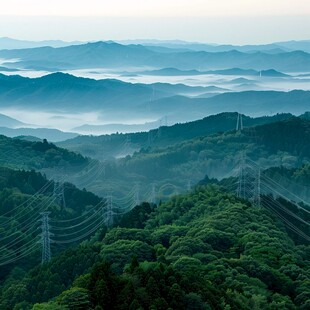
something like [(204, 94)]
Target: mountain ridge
[(65, 92), (111, 55)]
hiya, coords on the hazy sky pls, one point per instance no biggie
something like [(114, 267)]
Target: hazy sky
[(219, 21)]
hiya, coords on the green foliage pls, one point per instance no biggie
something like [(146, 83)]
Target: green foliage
[(204, 250), (192, 151), (213, 155), (111, 145), (36, 155), (120, 252), (20, 214), (75, 298), (137, 217), (212, 252), (48, 306)]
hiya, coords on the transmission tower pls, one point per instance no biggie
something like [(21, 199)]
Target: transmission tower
[(239, 126), (59, 194), (249, 182), (45, 238)]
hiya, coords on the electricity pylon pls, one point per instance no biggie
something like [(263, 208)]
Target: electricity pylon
[(239, 126), (45, 238), (59, 194)]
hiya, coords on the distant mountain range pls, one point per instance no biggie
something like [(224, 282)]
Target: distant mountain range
[(64, 93), (5, 69), (276, 47), (255, 103), (233, 71), (11, 127), (52, 135), (114, 55), (10, 122), (9, 43), (172, 45), (113, 128)]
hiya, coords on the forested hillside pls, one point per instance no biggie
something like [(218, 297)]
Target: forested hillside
[(216, 155), (281, 143), (177, 159), (207, 249), (18, 153), (23, 196), (116, 145), (204, 250), (162, 173), (299, 175)]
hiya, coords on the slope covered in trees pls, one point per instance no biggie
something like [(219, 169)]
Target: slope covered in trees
[(18, 153), (281, 143), (204, 250), (23, 196), (108, 146), (296, 175), (215, 155), (178, 154)]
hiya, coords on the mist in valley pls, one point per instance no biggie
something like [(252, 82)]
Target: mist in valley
[(154, 155)]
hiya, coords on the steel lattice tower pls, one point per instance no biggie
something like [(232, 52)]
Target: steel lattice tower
[(45, 238)]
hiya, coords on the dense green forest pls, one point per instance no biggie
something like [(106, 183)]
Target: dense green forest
[(299, 175), (204, 250), (177, 209), (283, 143), (23, 195), (293, 183), (115, 145), (176, 163), (17, 153)]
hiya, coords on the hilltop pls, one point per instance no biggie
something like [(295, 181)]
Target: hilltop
[(114, 100), (204, 250), (114, 55), (25, 154), (107, 146)]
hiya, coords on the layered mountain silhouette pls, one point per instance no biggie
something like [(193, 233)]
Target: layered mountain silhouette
[(69, 94), (10, 122), (114, 55), (232, 71)]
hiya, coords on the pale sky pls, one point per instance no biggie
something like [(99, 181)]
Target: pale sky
[(219, 21), (143, 8)]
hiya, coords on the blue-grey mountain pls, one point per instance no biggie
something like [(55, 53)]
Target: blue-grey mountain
[(113, 55)]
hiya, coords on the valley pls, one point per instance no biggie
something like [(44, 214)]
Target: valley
[(154, 175)]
